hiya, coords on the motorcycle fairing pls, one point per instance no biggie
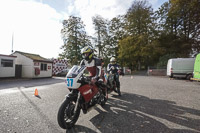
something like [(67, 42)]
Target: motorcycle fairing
[(73, 76), (88, 91)]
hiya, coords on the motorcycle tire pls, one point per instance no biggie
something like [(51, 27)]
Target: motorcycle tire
[(66, 112), (104, 99)]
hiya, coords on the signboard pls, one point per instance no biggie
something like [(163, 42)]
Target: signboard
[(36, 64), (59, 65)]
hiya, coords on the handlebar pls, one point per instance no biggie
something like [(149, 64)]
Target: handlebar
[(85, 79)]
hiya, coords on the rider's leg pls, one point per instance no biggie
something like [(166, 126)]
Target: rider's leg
[(118, 84), (117, 81), (108, 82)]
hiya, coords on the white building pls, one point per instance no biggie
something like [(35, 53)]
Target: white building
[(7, 66), (33, 66)]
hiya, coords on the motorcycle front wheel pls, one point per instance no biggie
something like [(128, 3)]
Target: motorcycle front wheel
[(104, 98), (66, 116)]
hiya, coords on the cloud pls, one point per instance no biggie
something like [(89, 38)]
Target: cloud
[(156, 3), (36, 28), (108, 9)]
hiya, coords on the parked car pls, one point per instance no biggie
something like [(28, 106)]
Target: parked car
[(63, 72), (180, 67)]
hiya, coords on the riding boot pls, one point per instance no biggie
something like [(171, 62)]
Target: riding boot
[(118, 91), (108, 89)]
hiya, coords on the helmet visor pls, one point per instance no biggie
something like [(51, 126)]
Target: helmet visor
[(85, 55)]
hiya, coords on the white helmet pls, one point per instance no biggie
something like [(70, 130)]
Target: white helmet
[(113, 60)]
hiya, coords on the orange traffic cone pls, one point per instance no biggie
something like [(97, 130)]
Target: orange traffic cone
[(36, 93)]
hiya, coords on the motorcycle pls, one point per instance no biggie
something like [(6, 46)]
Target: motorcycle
[(112, 84), (83, 96)]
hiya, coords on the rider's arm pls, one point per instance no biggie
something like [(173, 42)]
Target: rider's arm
[(117, 66), (108, 68), (82, 63)]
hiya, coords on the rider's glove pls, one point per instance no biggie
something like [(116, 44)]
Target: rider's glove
[(94, 79)]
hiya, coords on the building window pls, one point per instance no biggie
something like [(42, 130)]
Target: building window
[(6, 63), (43, 67)]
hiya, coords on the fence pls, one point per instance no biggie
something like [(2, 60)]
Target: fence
[(153, 71)]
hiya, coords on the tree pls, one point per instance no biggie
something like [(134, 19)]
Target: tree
[(140, 36), (101, 32), (179, 20), (116, 33), (127, 51), (187, 12), (75, 38)]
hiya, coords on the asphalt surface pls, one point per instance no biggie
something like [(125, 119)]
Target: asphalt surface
[(148, 105)]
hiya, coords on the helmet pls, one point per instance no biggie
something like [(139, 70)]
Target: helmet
[(113, 60), (87, 53)]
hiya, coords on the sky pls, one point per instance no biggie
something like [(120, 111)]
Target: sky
[(35, 25)]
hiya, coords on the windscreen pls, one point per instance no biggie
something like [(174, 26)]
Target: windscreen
[(74, 71)]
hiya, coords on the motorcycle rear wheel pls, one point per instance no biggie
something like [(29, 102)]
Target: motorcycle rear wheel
[(66, 117)]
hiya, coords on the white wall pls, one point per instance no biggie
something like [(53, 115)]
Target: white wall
[(47, 73), (27, 65), (7, 71)]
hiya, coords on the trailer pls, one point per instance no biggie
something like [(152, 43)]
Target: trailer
[(196, 73), (180, 67)]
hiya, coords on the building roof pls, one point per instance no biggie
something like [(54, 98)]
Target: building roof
[(8, 55), (34, 57)]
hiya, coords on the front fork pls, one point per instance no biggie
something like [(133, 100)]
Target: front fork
[(77, 102), (74, 96)]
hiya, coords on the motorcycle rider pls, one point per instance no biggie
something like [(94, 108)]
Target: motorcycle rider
[(113, 68), (94, 65)]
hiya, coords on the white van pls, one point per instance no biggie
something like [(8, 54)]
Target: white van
[(180, 67)]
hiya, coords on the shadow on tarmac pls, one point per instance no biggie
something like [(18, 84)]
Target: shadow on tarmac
[(40, 113), (26, 83), (132, 113)]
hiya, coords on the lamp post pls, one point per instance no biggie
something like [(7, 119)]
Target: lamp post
[(12, 42)]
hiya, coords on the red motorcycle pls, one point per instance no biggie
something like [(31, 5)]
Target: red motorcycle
[(83, 95)]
